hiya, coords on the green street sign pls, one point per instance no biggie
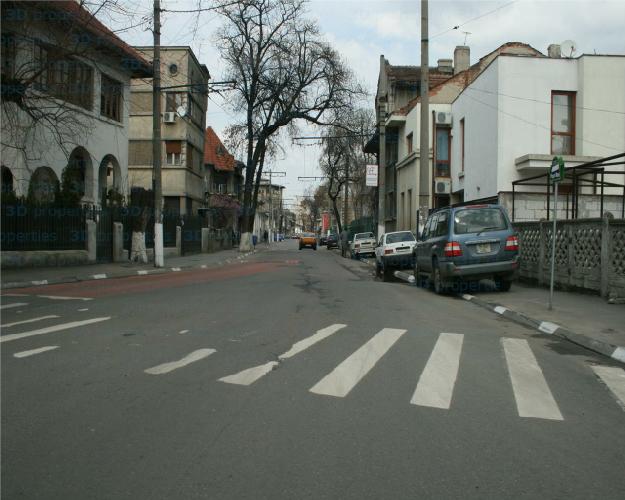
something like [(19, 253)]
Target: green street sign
[(557, 169)]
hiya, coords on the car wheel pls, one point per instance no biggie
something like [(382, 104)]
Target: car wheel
[(415, 271), (300, 247), (378, 269), (439, 286), (504, 285), (314, 247), (386, 274)]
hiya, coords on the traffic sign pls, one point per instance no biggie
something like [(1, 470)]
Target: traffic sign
[(557, 169)]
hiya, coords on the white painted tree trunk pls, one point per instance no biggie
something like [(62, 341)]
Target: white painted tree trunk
[(246, 244), (138, 251)]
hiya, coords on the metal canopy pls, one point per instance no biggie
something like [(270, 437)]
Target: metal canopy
[(578, 176)]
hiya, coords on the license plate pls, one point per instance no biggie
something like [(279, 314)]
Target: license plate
[(483, 248)]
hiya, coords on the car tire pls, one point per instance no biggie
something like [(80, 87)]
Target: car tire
[(504, 285), (418, 280), (378, 269), (437, 282), (386, 274), (300, 247), (314, 247)]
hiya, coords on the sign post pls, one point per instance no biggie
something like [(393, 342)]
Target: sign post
[(557, 174)]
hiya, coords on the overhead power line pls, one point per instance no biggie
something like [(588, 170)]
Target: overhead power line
[(457, 27)]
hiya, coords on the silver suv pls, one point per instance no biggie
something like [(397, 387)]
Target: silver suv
[(462, 245)]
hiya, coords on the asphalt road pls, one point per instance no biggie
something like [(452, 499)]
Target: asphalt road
[(296, 375)]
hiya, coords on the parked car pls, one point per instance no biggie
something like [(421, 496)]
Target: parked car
[(394, 251), (362, 244), (323, 240), (308, 240), (466, 244), (332, 241)]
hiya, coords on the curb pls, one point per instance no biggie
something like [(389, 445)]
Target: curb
[(612, 351), (127, 274)]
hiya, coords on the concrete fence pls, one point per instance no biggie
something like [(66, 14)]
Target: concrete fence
[(590, 254)]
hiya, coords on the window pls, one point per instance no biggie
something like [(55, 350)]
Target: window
[(442, 225), (195, 111), (173, 150), (399, 237), (462, 145), (410, 208), (139, 152), (562, 123), (442, 152), (402, 210), (111, 99), (409, 143), (8, 54), (474, 220), (66, 79), (173, 101)]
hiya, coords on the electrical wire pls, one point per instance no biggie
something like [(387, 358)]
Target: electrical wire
[(473, 19)]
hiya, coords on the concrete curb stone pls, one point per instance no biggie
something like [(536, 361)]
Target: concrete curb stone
[(126, 274), (612, 351)]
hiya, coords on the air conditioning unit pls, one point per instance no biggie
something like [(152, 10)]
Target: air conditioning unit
[(169, 117), (442, 185), (443, 118)]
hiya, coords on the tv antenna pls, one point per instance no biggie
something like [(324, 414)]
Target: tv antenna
[(466, 35)]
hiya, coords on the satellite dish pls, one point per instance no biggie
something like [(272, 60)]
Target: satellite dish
[(568, 48), (182, 112)]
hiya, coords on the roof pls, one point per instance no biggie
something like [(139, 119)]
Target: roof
[(76, 12), (216, 154), (466, 77), (184, 48), (412, 74)]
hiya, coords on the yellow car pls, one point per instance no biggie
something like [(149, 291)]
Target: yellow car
[(308, 240)]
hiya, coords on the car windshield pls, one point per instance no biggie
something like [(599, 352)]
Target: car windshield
[(364, 236), (399, 237), (475, 220)]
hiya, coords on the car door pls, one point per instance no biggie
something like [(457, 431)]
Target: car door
[(440, 236)]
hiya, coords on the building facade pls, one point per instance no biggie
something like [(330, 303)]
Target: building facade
[(184, 100), (65, 92)]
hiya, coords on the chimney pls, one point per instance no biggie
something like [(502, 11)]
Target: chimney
[(461, 58), (554, 51), (445, 66)]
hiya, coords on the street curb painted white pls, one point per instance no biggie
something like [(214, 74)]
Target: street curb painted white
[(91, 277), (612, 351)]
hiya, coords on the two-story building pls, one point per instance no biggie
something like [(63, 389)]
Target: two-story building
[(184, 100), (65, 89)]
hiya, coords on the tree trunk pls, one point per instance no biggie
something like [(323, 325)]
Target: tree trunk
[(337, 215), (138, 250)]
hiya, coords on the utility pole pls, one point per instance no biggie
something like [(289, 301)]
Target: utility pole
[(271, 174), (345, 202), (424, 143), (156, 140)]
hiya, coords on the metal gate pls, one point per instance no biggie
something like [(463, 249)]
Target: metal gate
[(104, 235), (191, 234)]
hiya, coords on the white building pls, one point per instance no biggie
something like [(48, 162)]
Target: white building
[(66, 80), (521, 111)]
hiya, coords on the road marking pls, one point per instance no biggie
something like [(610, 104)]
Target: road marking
[(39, 282), (531, 392), (500, 309), (548, 327), (25, 354), (142, 272), (32, 320), (99, 276), (182, 332), (15, 304), (51, 329), (340, 381), (436, 384), (304, 344), (176, 269), (174, 365), (83, 309), (58, 297), (203, 266), (466, 296), (15, 295), (251, 375), (614, 378)]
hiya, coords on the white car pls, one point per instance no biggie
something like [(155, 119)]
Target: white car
[(362, 244), (394, 251)]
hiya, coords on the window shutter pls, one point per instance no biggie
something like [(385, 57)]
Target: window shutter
[(173, 147)]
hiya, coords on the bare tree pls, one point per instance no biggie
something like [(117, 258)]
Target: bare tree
[(285, 73), (343, 160)]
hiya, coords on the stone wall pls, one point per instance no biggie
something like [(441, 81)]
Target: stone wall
[(590, 254)]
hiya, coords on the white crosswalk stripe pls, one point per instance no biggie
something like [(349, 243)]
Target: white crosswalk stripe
[(251, 375), (531, 392), (32, 352), (12, 305), (614, 378), (340, 381), (436, 384), (174, 365), (52, 329), (31, 320)]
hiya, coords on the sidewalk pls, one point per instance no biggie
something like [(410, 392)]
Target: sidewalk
[(25, 277), (587, 320)]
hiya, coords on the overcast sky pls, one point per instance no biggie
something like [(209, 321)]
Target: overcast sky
[(361, 30)]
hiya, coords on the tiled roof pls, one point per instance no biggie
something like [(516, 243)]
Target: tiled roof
[(84, 18), (216, 154)]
